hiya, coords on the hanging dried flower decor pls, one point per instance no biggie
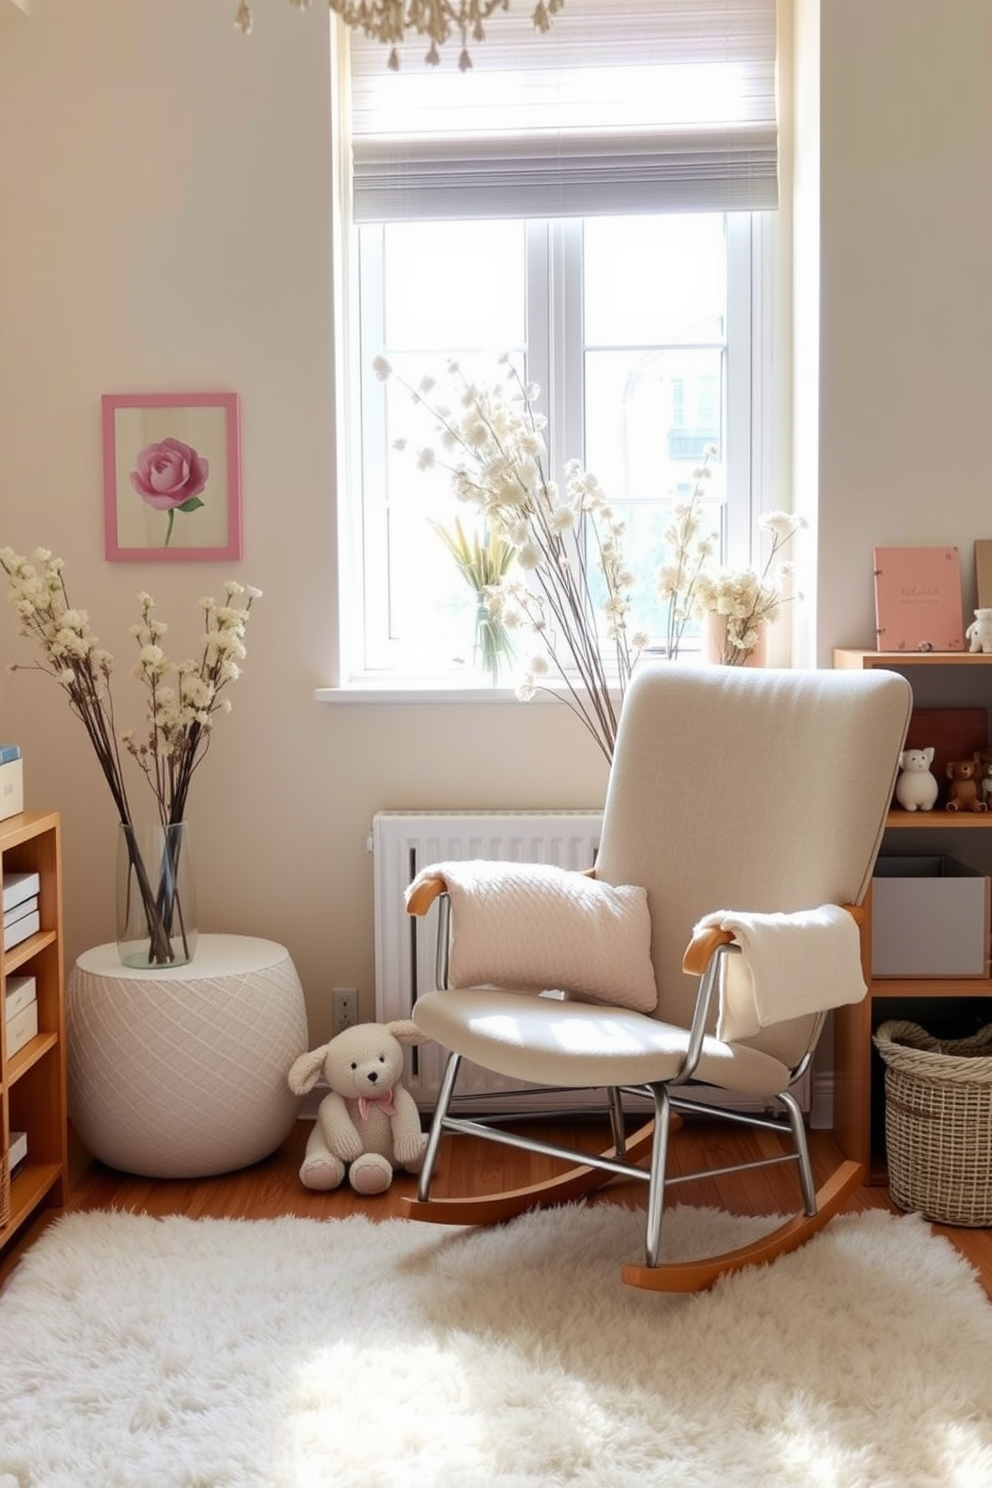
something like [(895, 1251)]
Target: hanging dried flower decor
[(390, 21)]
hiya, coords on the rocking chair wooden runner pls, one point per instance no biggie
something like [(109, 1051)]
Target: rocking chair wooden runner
[(753, 799)]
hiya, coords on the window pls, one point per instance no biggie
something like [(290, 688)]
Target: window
[(614, 275)]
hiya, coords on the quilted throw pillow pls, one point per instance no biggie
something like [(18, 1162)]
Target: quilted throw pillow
[(532, 925)]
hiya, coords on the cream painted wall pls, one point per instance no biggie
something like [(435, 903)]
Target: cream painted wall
[(166, 226), (905, 294)]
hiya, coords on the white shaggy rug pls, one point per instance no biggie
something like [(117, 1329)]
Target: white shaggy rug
[(184, 1353)]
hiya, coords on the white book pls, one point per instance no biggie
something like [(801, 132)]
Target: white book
[(18, 1150), (19, 886), (11, 787), (20, 930), (22, 1028), (28, 906), (20, 991)]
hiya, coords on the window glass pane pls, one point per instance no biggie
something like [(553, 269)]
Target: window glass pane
[(430, 610), (650, 416), (654, 310), (654, 279), (430, 604), (450, 284), (450, 290)]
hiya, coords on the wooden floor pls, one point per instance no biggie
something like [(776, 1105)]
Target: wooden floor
[(468, 1165)]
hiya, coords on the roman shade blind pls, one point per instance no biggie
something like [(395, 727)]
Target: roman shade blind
[(624, 106)]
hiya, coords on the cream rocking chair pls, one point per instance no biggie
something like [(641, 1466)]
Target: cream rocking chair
[(753, 799)]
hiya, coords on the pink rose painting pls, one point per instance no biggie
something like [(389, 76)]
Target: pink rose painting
[(169, 453), (170, 476)]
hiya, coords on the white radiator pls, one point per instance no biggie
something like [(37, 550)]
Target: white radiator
[(402, 843)]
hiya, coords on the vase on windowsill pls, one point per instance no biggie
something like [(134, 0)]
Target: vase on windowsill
[(720, 647), (492, 648), (155, 896)]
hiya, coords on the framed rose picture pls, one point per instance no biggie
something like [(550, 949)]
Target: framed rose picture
[(171, 476)]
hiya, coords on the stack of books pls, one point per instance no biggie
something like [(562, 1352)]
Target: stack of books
[(20, 1011), (20, 907), (11, 781)]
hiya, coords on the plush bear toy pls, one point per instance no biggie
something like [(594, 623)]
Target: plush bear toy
[(979, 632), (965, 793), (368, 1126)]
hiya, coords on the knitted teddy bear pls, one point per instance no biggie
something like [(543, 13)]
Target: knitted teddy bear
[(368, 1125), (979, 632)]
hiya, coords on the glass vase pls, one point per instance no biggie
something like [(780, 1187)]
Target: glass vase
[(156, 897), (493, 647)]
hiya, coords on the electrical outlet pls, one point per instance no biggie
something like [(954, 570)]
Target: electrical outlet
[(345, 1009)]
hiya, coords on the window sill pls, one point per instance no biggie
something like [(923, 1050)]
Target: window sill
[(452, 690), (407, 691)]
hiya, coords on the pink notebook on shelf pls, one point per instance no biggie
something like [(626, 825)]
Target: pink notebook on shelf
[(918, 599)]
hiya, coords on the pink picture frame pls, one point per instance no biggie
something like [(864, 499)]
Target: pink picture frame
[(171, 477)]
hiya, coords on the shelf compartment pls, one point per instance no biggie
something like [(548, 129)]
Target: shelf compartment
[(28, 1191), (27, 950), (942, 1017), (26, 1058), (34, 1099)]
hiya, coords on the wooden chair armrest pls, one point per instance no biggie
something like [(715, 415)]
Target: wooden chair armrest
[(699, 951), (424, 895), (706, 939)]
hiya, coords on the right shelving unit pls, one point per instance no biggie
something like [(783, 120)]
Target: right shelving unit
[(945, 1006)]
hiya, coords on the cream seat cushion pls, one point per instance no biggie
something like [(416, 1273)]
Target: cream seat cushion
[(550, 1041)]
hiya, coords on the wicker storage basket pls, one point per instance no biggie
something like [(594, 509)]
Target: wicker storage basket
[(938, 1122)]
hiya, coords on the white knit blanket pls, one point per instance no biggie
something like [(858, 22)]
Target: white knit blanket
[(531, 925), (790, 965)]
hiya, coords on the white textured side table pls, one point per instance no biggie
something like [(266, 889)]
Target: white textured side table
[(181, 1073)]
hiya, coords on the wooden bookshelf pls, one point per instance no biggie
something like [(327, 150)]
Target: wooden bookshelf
[(33, 1080)]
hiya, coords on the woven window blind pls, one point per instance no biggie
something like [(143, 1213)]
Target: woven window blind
[(625, 106)]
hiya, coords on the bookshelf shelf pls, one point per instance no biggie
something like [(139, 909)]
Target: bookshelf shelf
[(856, 658), (937, 821)]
